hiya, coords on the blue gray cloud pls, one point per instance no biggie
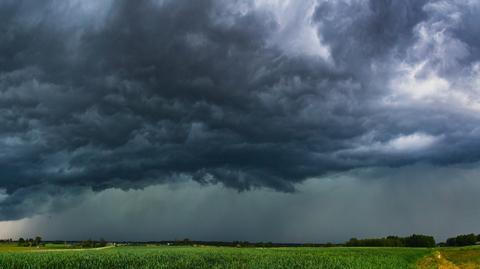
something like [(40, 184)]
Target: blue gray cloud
[(248, 94)]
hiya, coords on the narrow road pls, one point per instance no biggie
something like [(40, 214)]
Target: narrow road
[(437, 260), (443, 263)]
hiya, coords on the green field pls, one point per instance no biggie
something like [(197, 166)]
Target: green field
[(466, 257), (227, 257)]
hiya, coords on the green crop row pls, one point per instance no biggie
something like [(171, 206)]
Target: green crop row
[(216, 257)]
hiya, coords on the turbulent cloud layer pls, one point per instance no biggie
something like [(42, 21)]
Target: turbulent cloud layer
[(333, 209), (128, 94)]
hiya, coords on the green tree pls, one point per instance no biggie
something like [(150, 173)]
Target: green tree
[(21, 241), (38, 240), (353, 242), (462, 240), (418, 240), (451, 242)]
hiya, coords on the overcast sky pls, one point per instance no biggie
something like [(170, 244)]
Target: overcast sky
[(265, 120)]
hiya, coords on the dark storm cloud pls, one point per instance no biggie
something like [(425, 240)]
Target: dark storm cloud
[(126, 94), (411, 199), (359, 31)]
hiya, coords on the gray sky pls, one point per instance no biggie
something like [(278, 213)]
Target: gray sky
[(239, 120)]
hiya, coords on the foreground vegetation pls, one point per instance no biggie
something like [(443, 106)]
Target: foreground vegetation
[(217, 257), (466, 257), (415, 251)]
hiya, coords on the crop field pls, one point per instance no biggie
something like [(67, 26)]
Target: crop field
[(466, 257), (215, 257), (57, 256)]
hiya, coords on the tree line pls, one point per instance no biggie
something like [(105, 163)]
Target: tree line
[(415, 240), (463, 240), (37, 241), (30, 242), (93, 244)]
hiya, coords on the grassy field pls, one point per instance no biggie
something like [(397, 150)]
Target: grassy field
[(466, 257), (61, 256), (9, 247), (215, 257)]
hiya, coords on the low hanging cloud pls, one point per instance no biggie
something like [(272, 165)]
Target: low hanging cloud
[(129, 94)]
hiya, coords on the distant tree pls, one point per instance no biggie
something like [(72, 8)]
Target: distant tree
[(418, 240), (87, 243), (451, 242), (353, 242), (102, 242), (37, 240), (467, 240), (21, 241), (478, 238), (390, 241), (462, 240), (394, 241)]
